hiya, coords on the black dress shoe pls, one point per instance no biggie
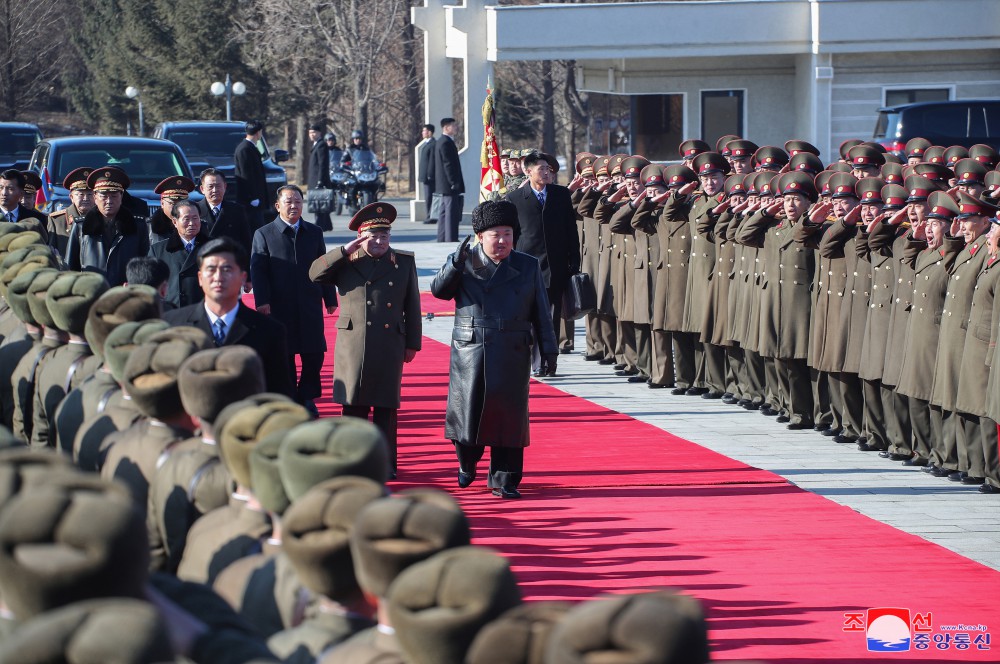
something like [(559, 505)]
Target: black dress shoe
[(606, 361), (639, 378), (972, 481), (655, 386), (941, 472), (537, 374), (865, 447), (831, 431), (728, 395), (988, 488), (767, 411), (886, 454), (593, 358), (729, 399), (507, 494), (618, 367), (798, 426), (696, 391), (957, 476), (862, 439), (915, 461), (841, 439), (896, 456), (465, 479), (626, 372), (750, 405), (781, 419), (677, 391), (821, 427), (711, 394), (565, 351), (929, 468)]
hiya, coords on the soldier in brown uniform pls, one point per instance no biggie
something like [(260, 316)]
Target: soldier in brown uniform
[(936, 253), (620, 248), (378, 327), (607, 320), (68, 300), (991, 395), (949, 451), (725, 272), (585, 197), (81, 202)]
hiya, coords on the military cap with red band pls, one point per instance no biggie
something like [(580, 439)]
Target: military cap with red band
[(585, 164), (678, 175), (740, 149), (805, 161), (651, 176), (892, 173), (798, 183), (722, 143), (632, 166), (955, 153), (846, 146), (934, 154), (934, 171), (894, 196), (175, 186), (822, 182), (870, 191), (735, 185), (76, 180), (797, 147), (842, 185), (970, 171), (970, 206), (616, 163), (865, 156), (374, 216), (770, 157), (940, 205), (692, 147), (984, 154), (710, 162), (915, 147), (918, 188), (109, 178), (601, 166)]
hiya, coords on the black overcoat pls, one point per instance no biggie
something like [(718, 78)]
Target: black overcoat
[(279, 270), (498, 307), (182, 287), (232, 223), (548, 233)]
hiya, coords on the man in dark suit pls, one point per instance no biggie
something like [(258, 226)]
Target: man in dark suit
[(547, 229), (251, 183), (180, 253), (220, 217), (11, 192), (282, 252), (448, 182), (319, 170), (425, 153), (222, 272)]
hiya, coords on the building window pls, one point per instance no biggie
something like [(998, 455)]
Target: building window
[(721, 114), (899, 97), (650, 125)]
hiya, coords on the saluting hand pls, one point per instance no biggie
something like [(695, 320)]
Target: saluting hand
[(604, 186), (875, 222), (618, 195), (661, 198), (956, 228), (721, 207), (689, 188), (899, 216), (852, 217), (775, 209), (918, 231), (354, 245), (639, 198), (819, 213), (576, 183)]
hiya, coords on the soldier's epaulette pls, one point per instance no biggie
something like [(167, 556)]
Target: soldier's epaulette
[(402, 252), (358, 253), (58, 212)]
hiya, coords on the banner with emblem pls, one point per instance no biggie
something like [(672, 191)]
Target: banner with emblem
[(491, 182)]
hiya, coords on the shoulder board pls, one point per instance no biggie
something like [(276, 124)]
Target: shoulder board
[(401, 252), (58, 213)]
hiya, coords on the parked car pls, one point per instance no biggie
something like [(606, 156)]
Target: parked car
[(17, 142), (946, 123), (146, 160), (213, 143)]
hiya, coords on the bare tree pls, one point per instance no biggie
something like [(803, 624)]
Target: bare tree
[(29, 58)]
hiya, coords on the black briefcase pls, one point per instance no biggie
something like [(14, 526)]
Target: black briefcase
[(319, 201), (580, 298)]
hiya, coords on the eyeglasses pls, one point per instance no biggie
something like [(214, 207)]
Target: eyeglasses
[(108, 194)]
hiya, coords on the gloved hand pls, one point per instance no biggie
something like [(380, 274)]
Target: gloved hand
[(548, 367), (463, 251)]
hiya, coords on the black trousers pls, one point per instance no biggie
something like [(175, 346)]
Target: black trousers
[(382, 417), (506, 464), (307, 381), (451, 215), (428, 200)]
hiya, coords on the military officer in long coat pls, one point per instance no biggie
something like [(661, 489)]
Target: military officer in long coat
[(81, 202), (500, 302), (378, 327)]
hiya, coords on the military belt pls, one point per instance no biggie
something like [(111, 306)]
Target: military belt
[(493, 323)]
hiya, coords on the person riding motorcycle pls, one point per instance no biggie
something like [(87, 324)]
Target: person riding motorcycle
[(358, 145), (336, 153)]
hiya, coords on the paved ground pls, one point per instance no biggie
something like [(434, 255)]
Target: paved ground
[(953, 516)]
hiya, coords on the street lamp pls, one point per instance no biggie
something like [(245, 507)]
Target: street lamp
[(133, 92), (229, 89)]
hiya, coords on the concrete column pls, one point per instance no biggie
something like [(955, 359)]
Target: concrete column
[(432, 19)]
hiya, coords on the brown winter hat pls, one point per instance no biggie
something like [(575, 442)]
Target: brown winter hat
[(24, 260), (437, 606), (331, 447), (214, 378), (70, 297), (72, 538), (118, 305), (519, 636), (21, 468), (395, 532), (316, 532), (123, 341), (265, 473), (14, 241), (239, 434), (124, 631), (36, 296), (150, 376), (17, 294), (642, 629)]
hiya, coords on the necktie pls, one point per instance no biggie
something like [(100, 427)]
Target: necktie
[(541, 197), (189, 247), (10, 217), (220, 332), (215, 212)]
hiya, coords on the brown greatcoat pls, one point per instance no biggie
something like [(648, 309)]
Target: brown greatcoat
[(93, 439), (220, 538), (23, 381), (854, 309), (954, 323), (830, 282), (60, 225), (265, 590), (64, 369), (931, 269), (133, 452), (786, 282), (878, 258), (974, 388), (716, 324), (648, 264), (603, 211), (590, 236), (748, 292), (701, 266), (736, 307), (669, 294), (623, 274), (12, 351), (378, 321), (903, 257)]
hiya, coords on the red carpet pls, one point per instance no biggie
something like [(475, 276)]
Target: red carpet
[(431, 305), (612, 504)]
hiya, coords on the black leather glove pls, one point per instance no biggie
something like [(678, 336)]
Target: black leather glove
[(548, 367), (463, 251)]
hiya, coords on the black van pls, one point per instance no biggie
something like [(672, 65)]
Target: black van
[(965, 122)]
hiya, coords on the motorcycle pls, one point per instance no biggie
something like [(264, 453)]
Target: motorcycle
[(361, 181)]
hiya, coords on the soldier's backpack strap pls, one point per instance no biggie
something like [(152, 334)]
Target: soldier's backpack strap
[(72, 371), (105, 398)]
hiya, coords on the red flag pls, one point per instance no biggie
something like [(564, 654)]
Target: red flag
[(491, 181)]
